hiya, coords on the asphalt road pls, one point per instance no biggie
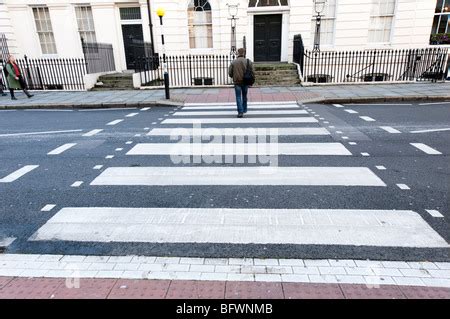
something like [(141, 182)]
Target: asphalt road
[(26, 138)]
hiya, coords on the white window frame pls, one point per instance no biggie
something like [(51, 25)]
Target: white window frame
[(202, 49), (440, 14), (37, 32), (391, 33), (92, 22)]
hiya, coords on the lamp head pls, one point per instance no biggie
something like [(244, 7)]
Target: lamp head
[(160, 12), (319, 5), (233, 9)]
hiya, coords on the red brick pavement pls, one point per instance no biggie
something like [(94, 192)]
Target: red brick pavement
[(52, 288)]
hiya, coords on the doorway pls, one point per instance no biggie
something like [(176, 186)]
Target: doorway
[(133, 39), (267, 38)]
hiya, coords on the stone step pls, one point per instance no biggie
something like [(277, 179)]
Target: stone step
[(274, 66), (99, 88)]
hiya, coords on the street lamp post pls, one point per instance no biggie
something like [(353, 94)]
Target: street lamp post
[(150, 24), (319, 6), (161, 12), (233, 11)]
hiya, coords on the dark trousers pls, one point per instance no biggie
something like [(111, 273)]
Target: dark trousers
[(241, 97), (23, 85)]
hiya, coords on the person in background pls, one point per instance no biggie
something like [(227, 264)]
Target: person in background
[(237, 71), (15, 78), (2, 85)]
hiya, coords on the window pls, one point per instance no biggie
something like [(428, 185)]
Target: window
[(267, 3), (381, 18), (44, 30), (200, 24), (85, 22), (130, 13), (441, 22), (327, 23)]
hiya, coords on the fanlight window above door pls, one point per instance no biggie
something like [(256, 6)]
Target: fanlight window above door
[(267, 3)]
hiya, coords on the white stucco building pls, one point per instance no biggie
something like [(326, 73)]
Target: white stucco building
[(52, 28)]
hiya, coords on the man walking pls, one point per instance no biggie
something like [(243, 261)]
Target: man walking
[(241, 70)]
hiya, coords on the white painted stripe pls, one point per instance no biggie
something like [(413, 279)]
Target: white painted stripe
[(145, 109), (217, 113), (108, 109), (47, 110), (428, 131), (40, 133), (119, 149), (212, 149), (352, 143), (244, 120), (48, 207), (434, 213), (365, 154), (383, 228), (281, 131), (137, 135), (345, 137), (18, 174), (131, 115), (233, 107), (77, 184), (403, 186), (338, 105), (129, 142), (377, 104), (390, 129), (97, 167), (435, 103), (5, 242), (292, 103), (114, 122), (367, 118), (311, 176), (351, 111), (93, 132), (381, 168), (426, 149), (109, 156), (61, 149)]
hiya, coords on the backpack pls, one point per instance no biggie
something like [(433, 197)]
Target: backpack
[(249, 78)]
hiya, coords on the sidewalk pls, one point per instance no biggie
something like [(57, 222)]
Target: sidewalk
[(77, 276), (59, 288), (144, 98)]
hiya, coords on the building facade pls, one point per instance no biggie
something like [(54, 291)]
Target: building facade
[(54, 28)]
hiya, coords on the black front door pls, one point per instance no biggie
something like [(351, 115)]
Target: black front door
[(132, 34), (267, 35)]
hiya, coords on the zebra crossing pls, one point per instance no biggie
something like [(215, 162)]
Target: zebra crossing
[(250, 162)]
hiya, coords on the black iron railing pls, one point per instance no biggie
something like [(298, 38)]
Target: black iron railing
[(185, 70), (372, 65), (52, 74), (99, 57)]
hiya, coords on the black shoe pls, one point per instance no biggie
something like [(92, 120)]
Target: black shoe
[(30, 96), (240, 115), (4, 94), (13, 98)]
